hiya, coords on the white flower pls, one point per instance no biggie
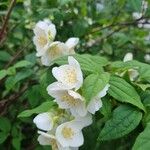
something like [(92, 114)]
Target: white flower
[(67, 99), (133, 73), (70, 75), (44, 34), (71, 43), (44, 121), (58, 49), (95, 104), (69, 134), (128, 57), (137, 15), (49, 139), (147, 57)]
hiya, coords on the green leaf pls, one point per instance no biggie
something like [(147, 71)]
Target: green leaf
[(80, 28), (34, 95), (4, 56), (93, 84), (3, 137), (11, 71), (31, 58), (11, 81), (5, 124), (46, 106), (107, 107), (124, 120), (16, 142), (143, 140), (124, 92), (107, 48), (3, 74), (88, 62), (23, 63)]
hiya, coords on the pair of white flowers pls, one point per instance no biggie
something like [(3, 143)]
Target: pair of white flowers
[(46, 47), (65, 90), (60, 132)]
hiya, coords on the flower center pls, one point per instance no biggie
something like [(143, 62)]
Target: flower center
[(69, 99), (71, 75), (67, 132), (42, 40), (54, 51)]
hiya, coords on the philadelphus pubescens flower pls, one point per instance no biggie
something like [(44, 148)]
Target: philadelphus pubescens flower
[(58, 49), (69, 134), (69, 75), (133, 73), (44, 32), (67, 99)]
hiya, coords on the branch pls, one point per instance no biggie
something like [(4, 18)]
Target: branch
[(2, 31)]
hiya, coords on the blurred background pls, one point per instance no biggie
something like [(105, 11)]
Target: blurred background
[(109, 28)]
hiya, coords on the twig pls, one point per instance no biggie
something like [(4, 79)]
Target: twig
[(2, 31)]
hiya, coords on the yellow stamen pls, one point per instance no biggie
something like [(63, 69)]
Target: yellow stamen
[(69, 99), (71, 75), (67, 132), (42, 40)]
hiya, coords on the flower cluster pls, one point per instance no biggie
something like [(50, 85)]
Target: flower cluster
[(48, 49), (62, 127)]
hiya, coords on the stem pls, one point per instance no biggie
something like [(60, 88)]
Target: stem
[(2, 31)]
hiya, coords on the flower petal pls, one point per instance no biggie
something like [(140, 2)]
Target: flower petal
[(104, 91), (128, 57), (44, 121), (71, 43), (43, 140), (83, 121), (94, 105)]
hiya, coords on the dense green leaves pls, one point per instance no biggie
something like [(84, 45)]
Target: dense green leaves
[(124, 92), (124, 120), (143, 140), (46, 106), (93, 84)]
